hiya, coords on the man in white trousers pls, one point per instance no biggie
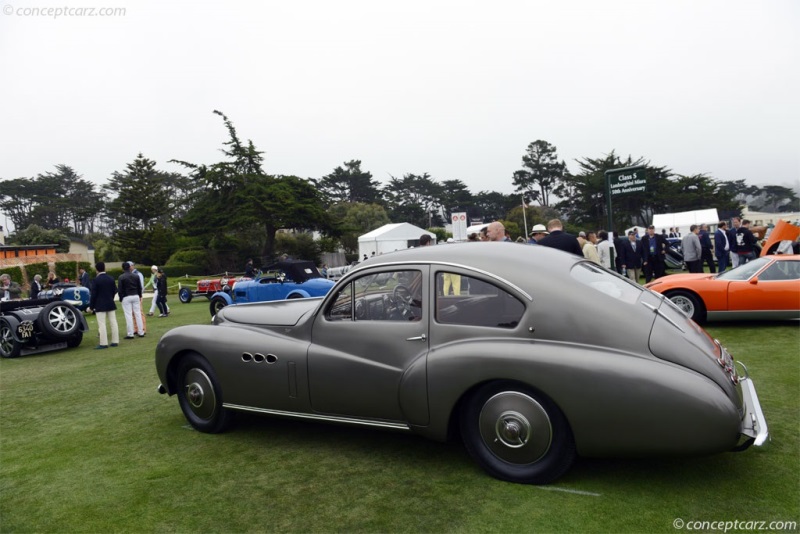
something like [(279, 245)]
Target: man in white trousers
[(130, 294)]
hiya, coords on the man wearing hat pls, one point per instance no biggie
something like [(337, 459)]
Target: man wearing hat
[(130, 295), (537, 233)]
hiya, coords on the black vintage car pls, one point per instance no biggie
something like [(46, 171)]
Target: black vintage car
[(39, 325)]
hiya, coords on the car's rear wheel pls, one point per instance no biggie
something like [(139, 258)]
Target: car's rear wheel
[(185, 295), (9, 347), (690, 304), (59, 320), (516, 434), (200, 395), (217, 303), (294, 296), (75, 340)]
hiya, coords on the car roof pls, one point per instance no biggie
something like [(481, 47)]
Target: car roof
[(297, 270), (518, 263)]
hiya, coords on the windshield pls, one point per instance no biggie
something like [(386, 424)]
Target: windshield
[(744, 272)]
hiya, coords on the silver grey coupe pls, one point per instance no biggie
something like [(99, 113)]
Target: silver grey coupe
[(531, 355)]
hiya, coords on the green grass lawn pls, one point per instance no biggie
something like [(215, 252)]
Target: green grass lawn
[(88, 445)]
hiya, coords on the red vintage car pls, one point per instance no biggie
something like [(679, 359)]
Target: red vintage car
[(209, 286)]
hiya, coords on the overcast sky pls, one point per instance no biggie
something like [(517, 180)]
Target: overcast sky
[(456, 89)]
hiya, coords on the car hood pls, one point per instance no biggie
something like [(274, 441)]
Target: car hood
[(275, 313)]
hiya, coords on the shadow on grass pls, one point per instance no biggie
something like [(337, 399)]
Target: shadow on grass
[(409, 452)]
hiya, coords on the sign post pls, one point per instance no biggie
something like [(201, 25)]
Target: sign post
[(622, 182)]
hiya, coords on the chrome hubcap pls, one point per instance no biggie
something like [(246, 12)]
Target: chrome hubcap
[(200, 393), (684, 304), (512, 429), (515, 427), (194, 394)]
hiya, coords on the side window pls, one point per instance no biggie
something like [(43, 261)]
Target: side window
[(385, 296), (342, 307), (469, 301), (781, 270)]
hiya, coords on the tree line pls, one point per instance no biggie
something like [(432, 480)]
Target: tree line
[(216, 215)]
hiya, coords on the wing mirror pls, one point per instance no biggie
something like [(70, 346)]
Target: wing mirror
[(754, 280)]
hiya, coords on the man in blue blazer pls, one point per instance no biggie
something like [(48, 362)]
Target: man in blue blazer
[(102, 303)]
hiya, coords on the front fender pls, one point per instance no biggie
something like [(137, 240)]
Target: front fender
[(302, 293), (224, 296)]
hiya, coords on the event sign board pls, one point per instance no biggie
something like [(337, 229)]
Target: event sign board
[(626, 181)]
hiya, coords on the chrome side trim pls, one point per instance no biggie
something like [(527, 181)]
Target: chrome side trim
[(318, 417), (663, 315), (754, 424)]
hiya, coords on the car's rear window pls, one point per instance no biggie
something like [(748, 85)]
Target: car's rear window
[(606, 282)]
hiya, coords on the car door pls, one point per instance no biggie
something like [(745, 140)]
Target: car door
[(371, 337), (776, 287)]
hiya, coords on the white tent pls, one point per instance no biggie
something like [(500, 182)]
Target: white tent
[(390, 237), (475, 228), (684, 219)]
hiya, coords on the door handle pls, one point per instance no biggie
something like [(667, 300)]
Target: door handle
[(423, 337)]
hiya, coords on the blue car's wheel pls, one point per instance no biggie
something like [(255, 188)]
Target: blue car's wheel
[(217, 303), (200, 395), (185, 295), (516, 434)]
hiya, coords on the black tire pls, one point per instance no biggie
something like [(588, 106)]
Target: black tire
[(294, 296), (75, 340), (9, 347), (516, 434), (690, 304), (200, 395), (185, 295), (217, 303), (59, 320)]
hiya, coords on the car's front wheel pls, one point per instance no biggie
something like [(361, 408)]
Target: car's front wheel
[(200, 395), (185, 295), (690, 304), (9, 347), (217, 303), (516, 434)]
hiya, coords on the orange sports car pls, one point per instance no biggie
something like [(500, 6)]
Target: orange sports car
[(765, 288)]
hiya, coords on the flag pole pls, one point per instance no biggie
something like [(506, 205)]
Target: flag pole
[(524, 217)]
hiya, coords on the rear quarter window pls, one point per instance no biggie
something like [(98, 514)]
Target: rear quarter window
[(606, 282)]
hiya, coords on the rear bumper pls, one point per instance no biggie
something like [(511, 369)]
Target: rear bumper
[(754, 424)]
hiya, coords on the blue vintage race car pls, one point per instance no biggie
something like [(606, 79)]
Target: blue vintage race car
[(78, 296), (289, 279)]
